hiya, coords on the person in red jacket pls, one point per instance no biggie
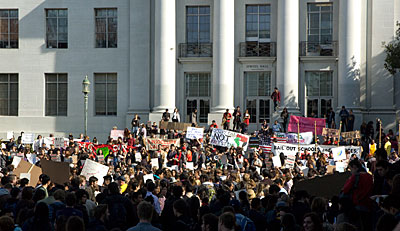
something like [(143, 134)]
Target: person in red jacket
[(359, 187), (276, 97)]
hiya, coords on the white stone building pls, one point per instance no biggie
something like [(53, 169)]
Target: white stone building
[(143, 56)]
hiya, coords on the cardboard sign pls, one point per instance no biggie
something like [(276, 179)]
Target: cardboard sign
[(92, 168), (225, 138), (154, 163), (194, 133), (174, 125), (33, 170), (339, 153), (10, 134), (330, 132), (351, 135), (306, 124), (117, 133), (152, 143), (28, 138), (57, 171), (313, 186)]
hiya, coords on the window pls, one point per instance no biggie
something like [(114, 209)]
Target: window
[(56, 94), (258, 23), (9, 94), (198, 24), (319, 92), (257, 87), (319, 23), (198, 93), (106, 28), (8, 28), (57, 28), (105, 93)]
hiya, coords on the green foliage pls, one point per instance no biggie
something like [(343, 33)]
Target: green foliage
[(392, 49)]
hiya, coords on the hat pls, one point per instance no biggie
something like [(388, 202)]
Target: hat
[(172, 180)]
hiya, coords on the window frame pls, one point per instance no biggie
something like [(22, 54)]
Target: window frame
[(9, 18), (198, 23), (319, 12), (258, 39), (9, 82), (107, 43), (258, 98), (57, 82), (57, 27), (198, 97), (107, 112), (318, 97)]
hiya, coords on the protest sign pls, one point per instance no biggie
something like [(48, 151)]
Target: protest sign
[(351, 135), (306, 124), (289, 162), (305, 170), (138, 157), (229, 139), (154, 163), (59, 142), (33, 170), (92, 168), (148, 177), (117, 133), (152, 143), (174, 125), (341, 166), (28, 138), (57, 171), (16, 161), (189, 165), (276, 160), (313, 186), (291, 149), (10, 134), (330, 132), (330, 169), (32, 158), (305, 138), (354, 150), (194, 133), (339, 153), (25, 175)]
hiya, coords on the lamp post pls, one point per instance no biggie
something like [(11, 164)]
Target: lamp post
[(85, 91)]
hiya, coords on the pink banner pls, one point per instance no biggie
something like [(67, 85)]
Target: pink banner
[(306, 124)]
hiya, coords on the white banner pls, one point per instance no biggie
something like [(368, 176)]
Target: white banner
[(92, 168), (305, 138), (292, 149), (28, 138), (194, 133), (229, 139)]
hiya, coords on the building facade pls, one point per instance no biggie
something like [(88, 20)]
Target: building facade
[(143, 56)]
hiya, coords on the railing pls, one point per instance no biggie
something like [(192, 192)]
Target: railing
[(195, 50), (257, 49), (319, 49)]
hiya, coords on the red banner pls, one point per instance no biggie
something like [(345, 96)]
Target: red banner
[(306, 124)]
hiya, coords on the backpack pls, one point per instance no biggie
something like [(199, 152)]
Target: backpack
[(245, 223)]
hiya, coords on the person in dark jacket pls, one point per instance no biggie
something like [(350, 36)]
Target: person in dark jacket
[(40, 221), (167, 216), (100, 218)]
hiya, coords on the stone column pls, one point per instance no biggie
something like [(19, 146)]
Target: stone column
[(287, 77), (349, 54), (164, 56), (223, 59)]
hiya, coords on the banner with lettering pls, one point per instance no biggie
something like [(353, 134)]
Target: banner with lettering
[(225, 138), (330, 132), (306, 124), (194, 133), (152, 143), (305, 138)]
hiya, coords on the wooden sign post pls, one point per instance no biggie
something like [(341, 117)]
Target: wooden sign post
[(340, 129)]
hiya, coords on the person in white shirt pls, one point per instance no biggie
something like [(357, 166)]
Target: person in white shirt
[(175, 116)]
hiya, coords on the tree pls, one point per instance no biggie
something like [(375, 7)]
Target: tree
[(392, 49)]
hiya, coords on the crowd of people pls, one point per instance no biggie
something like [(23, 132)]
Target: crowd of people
[(252, 196)]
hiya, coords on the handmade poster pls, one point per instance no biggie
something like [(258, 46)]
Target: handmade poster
[(138, 157), (194, 133), (59, 142), (16, 161), (339, 153), (341, 166), (32, 158), (174, 125), (225, 138), (289, 162), (306, 124), (10, 134), (305, 138), (154, 163), (351, 135), (276, 160), (153, 143), (33, 170), (25, 175), (330, 132), (57, 171), (117, 133), (28, 138), (189, 165), (92, 168)]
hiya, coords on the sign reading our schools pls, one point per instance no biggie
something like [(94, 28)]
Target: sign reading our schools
[(225, 138), (292, 149)]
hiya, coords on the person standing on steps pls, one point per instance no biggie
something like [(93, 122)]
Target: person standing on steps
[(175, 116), (276, 97), (236, 121), (285, 117)]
